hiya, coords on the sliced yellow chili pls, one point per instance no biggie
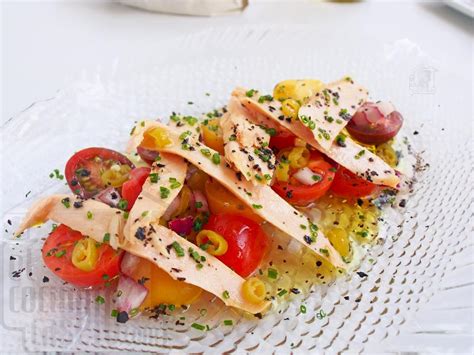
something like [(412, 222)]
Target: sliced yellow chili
[(216, 243), (299, 157), (253, 290), (85, 254), (282, 172), (290, 108)]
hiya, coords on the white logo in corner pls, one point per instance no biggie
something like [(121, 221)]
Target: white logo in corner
[(422, 80)]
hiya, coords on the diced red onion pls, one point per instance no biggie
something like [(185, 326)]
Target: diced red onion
[(129, 264), (110, 196), (147, 155), (130, 294), (200, 197), (305, 176), (385, 108), (182, 226)]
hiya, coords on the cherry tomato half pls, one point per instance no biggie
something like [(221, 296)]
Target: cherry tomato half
[(300, 194), (162, 288), (348, 184), (375, 123), (247, 243), (57, 255), (221, 200), (282, 140), (133, 187), (91, 170)]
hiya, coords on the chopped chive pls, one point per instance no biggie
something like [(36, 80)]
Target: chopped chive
[(106, 237), (282, 293), (272, 273), (164, 192), (144, 213), (303, 309), (122, 204), (198, 326), (100, 300), (264, 98), (206, 152), (190, 120), (257, 207), (228, 322), (178, 249), (171, 307), (114, 313), (89, 215), (154, 178), (174, 183), (198, 204), (226, 294), (66, 202), (216, 158), (324, 251), (60, 253), (250, 93)]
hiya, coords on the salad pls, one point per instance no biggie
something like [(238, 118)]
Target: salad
[(250, 203)]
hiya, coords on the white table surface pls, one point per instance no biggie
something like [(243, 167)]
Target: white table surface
[(45, 45)]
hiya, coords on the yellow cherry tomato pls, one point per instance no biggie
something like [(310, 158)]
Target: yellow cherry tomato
[(216, 243), (221, 200), (156, 137), (85, 254), (162, 288), (253, 290), (212, 135), (299, 90)]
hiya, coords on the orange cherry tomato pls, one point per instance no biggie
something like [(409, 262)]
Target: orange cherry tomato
[(212, 135), (221, 200), (162, 288)]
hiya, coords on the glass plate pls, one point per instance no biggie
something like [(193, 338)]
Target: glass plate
[(99, 108)]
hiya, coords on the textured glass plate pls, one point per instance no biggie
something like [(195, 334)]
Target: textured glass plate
[(99, 109)]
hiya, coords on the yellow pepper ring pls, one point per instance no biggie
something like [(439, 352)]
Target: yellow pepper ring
[(85, 254), (253, 290), (299, 157), (216, 243), (290, 108)]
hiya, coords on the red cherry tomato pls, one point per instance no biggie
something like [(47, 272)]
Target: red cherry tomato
[(375, 123), (299, 194), (247, 243), (57, 255), (282, 140), (348, 184), (133, 187), (91, 170)]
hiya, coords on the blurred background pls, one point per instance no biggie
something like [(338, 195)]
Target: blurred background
[(46, 44)]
